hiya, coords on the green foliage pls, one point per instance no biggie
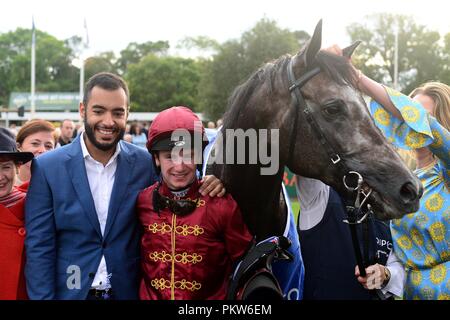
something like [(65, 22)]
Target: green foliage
[(101, 63), (236, 60), (200, 42), (54, 71), (134, 53), (420, 55), (160, 82), (445, 72), (157, 80)]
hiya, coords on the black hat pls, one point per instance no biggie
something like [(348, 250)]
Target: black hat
[(8, 148)]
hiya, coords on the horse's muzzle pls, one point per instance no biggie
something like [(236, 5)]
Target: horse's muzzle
[(410, 196)]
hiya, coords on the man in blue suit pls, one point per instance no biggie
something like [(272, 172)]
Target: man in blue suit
[(82, 233)]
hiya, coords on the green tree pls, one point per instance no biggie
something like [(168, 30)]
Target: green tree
[(445, 72), (236, 60), (203, 47), (200, 42), (105, 62), (54, 71), (134, 52), (420, 54), (160, 82)]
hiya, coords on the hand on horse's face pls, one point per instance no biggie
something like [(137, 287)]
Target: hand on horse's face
[(334, 49)]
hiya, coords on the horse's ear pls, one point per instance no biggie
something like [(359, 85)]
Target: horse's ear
[(347, 52), (314, 45)]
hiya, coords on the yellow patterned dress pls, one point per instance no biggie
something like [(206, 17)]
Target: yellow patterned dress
[(421, 239)]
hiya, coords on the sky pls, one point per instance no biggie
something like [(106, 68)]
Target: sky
[(112, 24)]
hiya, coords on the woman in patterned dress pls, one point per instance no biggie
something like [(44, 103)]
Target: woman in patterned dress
[(421, 123)]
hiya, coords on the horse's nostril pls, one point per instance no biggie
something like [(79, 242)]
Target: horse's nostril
[(409, 193)]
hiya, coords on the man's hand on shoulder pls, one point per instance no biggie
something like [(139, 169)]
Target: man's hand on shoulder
[(212, 186)]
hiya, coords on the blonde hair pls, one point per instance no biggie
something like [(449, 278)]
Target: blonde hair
[(440, 94)]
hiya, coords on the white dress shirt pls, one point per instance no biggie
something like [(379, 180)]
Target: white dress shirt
[(101, 180)]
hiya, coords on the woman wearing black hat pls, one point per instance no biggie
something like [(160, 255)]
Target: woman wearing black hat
[(12, 231)]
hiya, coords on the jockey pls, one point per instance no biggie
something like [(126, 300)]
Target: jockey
[(190, 241)]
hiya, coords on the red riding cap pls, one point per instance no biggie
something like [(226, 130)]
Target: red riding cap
[(170, 120)]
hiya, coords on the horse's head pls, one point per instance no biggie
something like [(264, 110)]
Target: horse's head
[(339, 124)]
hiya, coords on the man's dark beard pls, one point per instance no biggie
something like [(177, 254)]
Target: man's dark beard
[(91, 136)]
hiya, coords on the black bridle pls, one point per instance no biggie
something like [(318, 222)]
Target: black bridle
[(355, 213), (299, 103)]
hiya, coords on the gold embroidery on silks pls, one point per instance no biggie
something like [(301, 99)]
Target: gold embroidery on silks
[(183, 258), (162, 284), (163, 228), (189, 230), (163, 256), (183, 230), (200, 202)]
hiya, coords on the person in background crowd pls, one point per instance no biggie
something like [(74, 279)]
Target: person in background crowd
[(78, 129), (190, 241), (144, 128), (211, 130), (35, 136), (66, 135), (12, 231), (13, 129), (139, 137)]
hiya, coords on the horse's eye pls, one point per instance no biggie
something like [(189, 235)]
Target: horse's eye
[(333, 108)]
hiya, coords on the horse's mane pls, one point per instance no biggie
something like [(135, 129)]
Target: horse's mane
[(338, 68), (240, 96)]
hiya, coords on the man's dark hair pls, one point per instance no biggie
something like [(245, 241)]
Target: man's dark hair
[(107, 81), (69, 120)]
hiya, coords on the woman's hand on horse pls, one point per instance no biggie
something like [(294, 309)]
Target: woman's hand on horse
[(368, 86), (212, 186), (334, 49)]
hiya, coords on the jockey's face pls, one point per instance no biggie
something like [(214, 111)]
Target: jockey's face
[(177, 172)]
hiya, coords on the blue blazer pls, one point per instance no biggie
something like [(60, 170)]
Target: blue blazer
[(64, 244)]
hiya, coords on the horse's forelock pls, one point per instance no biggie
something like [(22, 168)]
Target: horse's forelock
[(338, 68)]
